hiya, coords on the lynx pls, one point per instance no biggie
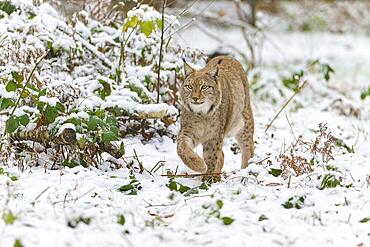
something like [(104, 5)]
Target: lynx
[(215, 104)]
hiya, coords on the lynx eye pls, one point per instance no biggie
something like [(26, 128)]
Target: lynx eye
[(188, 87), (204, 87)]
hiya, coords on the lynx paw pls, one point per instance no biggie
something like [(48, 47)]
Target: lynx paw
[(198, 165)]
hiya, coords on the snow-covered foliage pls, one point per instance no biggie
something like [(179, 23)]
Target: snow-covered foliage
[(307, 185), (89, 74)]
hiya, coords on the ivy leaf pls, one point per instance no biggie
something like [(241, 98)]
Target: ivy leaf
[(11, 86), (11, 124), (19, 78), (108, 136), (227, 220), (51, 113), (147, 27), (24, 119)]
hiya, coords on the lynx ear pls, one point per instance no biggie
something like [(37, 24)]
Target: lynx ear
[(187, 69), (213, 71)]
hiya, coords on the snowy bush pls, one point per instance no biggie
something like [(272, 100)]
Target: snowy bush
[(80, 85)]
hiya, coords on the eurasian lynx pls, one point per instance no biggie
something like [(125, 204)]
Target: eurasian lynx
[(215, 105)]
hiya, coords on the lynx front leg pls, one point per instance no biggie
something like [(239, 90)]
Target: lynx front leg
[(185, 146), (213, 156), (246, 144)]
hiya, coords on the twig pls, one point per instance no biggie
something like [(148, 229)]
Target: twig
[(221, 41), (39, 195), (157, 166), (245, 36), (74, 199), (192, 175), (187, 199), (259, 162), (290, 125), (160, 51), (157, 205), (286, 103), (192, 20)]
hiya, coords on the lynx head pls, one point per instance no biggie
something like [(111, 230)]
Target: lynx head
[(200, 92)]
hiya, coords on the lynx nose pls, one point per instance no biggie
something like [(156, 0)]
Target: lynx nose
[(195, 99)]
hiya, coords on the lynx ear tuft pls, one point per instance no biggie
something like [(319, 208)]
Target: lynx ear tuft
[(187, 69)]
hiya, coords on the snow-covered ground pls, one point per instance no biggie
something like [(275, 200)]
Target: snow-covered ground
[(84, 206)]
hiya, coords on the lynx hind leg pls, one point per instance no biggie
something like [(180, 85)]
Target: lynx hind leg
[(185, 150), (246, 144), (213, 156)]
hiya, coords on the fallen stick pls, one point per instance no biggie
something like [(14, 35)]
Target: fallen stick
[(193, 175)]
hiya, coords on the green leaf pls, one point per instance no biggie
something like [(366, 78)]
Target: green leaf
[(172, 185), (93, 123), (42, 92), (288, 204), (7, 7), (130, 23), (365, 220), (11, 86), (5, 103), (327, 70), (203, 186), (19, 78), (262, 217), (24, 119), (227, 220), (147, 27), (219, 203), (106, 90), (17, 243), (275, 172), (183, 188), (121, 219), (11, 124), (13, 177), (122, 149), (51, 113), (126, 187), (159, 23), (108, 136), (8, 217), (60, 107)]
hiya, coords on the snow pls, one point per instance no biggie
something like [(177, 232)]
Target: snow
[(52, 101), (65, 126), (48, 202)]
